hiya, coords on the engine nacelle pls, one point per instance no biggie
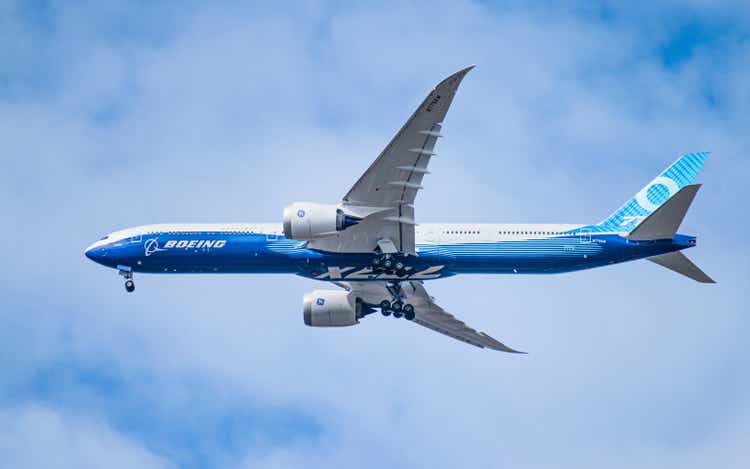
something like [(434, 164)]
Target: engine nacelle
[(330, 308), (308, 220)]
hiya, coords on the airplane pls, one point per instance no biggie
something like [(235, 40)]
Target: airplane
[(370, 246)]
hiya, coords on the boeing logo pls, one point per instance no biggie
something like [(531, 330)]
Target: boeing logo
[(195, 243), (152, 245)]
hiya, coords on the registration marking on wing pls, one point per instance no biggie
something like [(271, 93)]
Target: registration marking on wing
[(432, 104)]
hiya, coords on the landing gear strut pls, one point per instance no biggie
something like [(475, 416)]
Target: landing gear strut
[(127, 272)]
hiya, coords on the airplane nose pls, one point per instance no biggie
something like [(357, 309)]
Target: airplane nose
[(95, 253)]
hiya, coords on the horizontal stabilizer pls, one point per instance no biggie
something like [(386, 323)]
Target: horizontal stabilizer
[(665, 220), (679, 263), (678, 175)]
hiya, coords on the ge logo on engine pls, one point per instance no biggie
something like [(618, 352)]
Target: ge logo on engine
[(320, 301), (300, 213)]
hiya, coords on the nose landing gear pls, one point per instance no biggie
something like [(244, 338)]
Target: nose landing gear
[(127, 272)]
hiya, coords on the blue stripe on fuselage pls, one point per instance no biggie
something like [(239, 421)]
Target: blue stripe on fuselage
[(224, 252)]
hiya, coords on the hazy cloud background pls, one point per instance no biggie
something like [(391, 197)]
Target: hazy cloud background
[(116, 114)]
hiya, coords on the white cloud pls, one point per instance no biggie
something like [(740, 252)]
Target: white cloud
[(40, 436)]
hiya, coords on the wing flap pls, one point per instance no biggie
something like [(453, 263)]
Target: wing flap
[(427, 313), (432, 316)]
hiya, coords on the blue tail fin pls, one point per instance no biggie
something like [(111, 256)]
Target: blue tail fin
[(681, 173)]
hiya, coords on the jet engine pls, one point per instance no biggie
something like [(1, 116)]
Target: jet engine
[(308, 220), (330, 308)]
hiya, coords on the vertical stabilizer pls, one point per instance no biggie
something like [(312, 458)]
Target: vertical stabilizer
[(680, 174)]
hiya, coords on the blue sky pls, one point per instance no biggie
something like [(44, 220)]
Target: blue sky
[(117, 114)]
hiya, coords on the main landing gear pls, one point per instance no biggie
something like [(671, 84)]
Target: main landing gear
[(127, 272), (396, 307), (389, 264)]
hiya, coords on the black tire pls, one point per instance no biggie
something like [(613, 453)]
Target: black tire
[(397, 314), (396, 306), (376, 262), (401, 273), (385, 312), (408, 311), (399, 266), (388, 263), (129, 286)]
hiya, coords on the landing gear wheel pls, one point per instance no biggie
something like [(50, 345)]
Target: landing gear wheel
[(127, 273), (408, 311), (397, 314), (390, 264), (396, 306), (385, 307)]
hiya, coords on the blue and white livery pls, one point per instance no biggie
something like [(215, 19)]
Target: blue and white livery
[(370, 245)]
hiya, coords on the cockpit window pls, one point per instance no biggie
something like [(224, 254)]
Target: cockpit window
[(104, 237)]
